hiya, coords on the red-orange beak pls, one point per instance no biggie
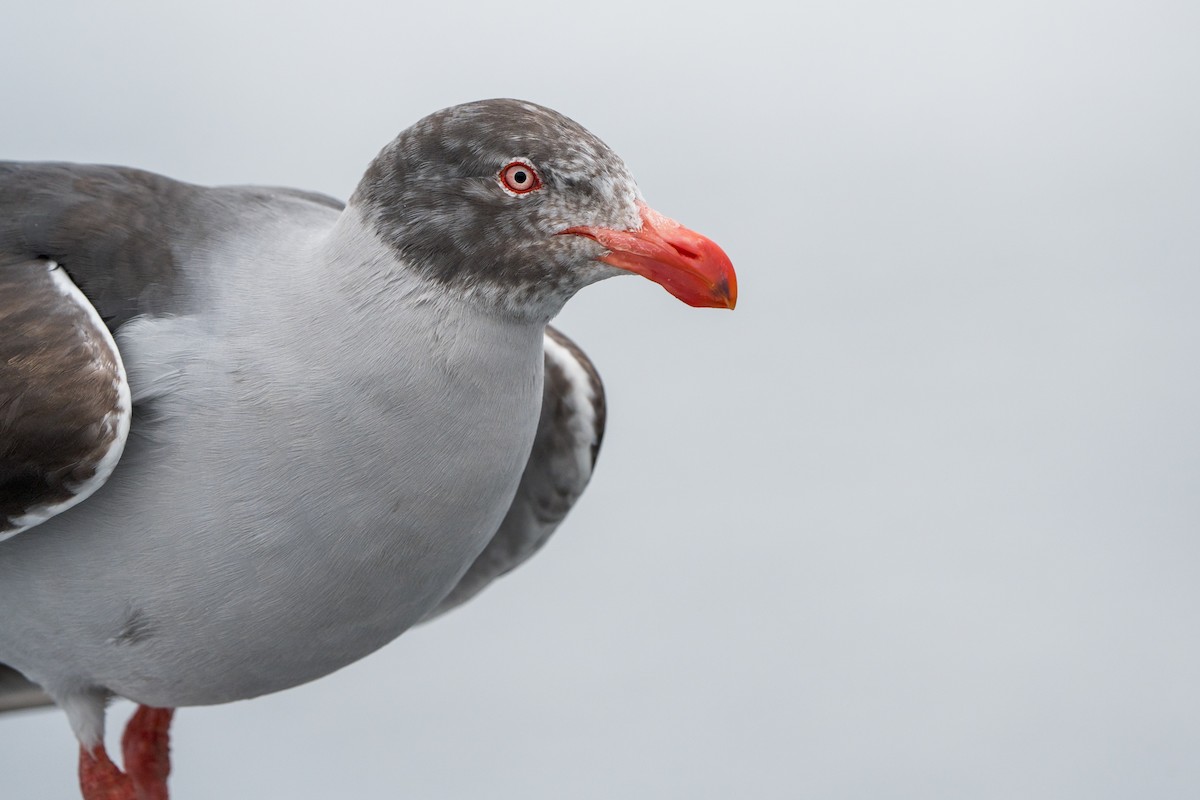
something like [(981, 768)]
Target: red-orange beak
[(690, 266)]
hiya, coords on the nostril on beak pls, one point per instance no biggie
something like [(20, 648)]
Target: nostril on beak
[(683, 251)]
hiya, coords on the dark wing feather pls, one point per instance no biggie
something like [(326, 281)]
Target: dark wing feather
[(564, 453), (64, 402), (117, 231)]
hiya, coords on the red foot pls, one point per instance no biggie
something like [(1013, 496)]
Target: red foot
[(147, 761), (100, 779)]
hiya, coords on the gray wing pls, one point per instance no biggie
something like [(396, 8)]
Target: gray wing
[(123, 235), (564, 453), (84, 249), (120, 233)]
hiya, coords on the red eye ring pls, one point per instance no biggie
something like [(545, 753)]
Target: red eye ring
[(519, 177)]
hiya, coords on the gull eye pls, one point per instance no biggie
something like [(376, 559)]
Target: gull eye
[(520, 178)]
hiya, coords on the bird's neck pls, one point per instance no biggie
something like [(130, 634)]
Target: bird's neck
[(357, 240), (372, 293)]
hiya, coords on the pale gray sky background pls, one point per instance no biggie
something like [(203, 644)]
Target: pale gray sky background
[(919, 520)]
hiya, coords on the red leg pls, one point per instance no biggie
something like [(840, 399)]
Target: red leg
[(147, 761), (146, 748)]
